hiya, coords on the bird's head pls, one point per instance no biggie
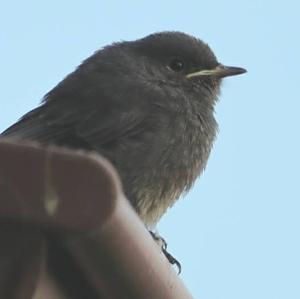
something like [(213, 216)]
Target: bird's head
[(175, 59), (171, 63)]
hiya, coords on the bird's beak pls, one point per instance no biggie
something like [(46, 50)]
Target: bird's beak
[(220, 71)]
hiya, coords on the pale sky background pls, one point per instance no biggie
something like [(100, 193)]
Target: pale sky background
[(237, 233)]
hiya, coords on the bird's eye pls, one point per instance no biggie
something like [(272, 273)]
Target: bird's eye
[(176, 65)]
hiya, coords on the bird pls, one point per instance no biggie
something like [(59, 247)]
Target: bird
[(147, 106)]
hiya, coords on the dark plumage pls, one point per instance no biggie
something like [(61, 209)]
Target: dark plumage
[(147, 106)]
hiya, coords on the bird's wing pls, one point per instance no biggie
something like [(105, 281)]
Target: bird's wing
[(101, 127), (33, 126), (80, 126)]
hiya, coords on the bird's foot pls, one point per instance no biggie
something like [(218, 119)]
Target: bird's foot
[(160, 241), (163, 245)]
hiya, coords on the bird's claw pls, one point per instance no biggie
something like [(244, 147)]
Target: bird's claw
[(172, 260), (163, 245)]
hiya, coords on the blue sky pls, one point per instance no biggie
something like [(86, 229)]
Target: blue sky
[(237, 232)]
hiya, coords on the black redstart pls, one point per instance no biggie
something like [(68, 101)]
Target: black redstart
[(145, 105)]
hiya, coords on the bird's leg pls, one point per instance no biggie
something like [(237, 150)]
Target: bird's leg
[(163, 245)]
